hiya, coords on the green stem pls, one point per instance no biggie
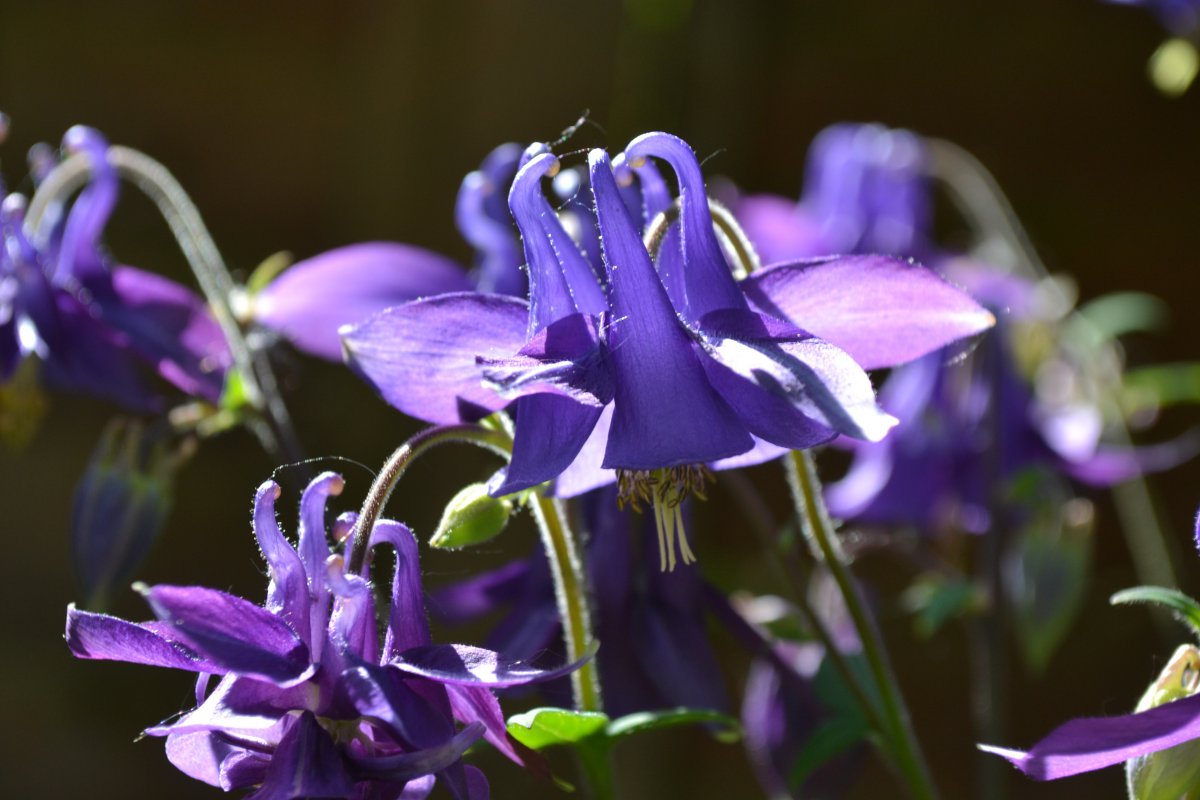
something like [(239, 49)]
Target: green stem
[(570, 592), (806, 494), (397, 464)]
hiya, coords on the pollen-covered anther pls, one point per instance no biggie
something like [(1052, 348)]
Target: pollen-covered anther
[(665, 490)]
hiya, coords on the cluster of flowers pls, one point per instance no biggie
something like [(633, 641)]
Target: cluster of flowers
[(629, 337)]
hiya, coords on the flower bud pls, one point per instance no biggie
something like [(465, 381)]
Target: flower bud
[(120, 505), (1175, 772), (472, 517)]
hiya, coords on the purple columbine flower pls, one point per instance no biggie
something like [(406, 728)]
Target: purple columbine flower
[(969, 424), (865, 191), (96, 327), (697, 371), (309, 702), (313, 298)]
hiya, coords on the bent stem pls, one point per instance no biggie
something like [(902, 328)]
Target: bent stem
[(810, 506), (397, 464), (156, 182), (563, 557)]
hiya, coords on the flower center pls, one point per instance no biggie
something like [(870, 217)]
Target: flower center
[(664, 490)]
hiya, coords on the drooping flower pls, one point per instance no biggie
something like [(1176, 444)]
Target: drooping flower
[(97, 327), (865, 191), (310, 703), (120, 505), (314, 297), (694, 371), (972, 423)]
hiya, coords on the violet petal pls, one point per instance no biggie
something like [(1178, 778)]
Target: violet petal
[(315, 297), (421, 356), (882, 311)]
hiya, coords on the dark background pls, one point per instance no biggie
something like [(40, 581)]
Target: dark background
[(301, 127)]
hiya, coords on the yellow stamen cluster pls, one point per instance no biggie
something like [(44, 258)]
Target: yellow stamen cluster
[(665, 490)]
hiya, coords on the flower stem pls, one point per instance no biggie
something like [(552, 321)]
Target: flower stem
[(397, 464), (806, 494), (275, 430), (569, 590)]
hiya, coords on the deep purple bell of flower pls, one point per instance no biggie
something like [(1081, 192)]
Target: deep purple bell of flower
[(96, 327), (309, 701), (313, 298), (693, 378)]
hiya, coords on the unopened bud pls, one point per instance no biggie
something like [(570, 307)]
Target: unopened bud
[(472, 517), (120, 505), (1173, 773)]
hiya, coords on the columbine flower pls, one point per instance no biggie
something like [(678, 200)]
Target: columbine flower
[(971, 423), (309, 702), (693, 372), (313, 298), (96, 327), (865, 191)]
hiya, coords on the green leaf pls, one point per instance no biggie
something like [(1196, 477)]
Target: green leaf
[(836, 695), (936, 600), (725, 728), (1184, 608), (1162, 385), (1119, 313), (1045, 577), (234, 396), (267, 271), (545, 727), (831, 738)]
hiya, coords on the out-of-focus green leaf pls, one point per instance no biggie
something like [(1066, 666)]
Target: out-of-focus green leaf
[(1161, 385), (234, 395), (937, 599), (22, 406), (1112, 315), (1045, 575), (267, 271), (831, 738)]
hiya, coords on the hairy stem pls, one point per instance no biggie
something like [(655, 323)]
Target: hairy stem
[(397, 464), (806, 494), (570, 592)]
